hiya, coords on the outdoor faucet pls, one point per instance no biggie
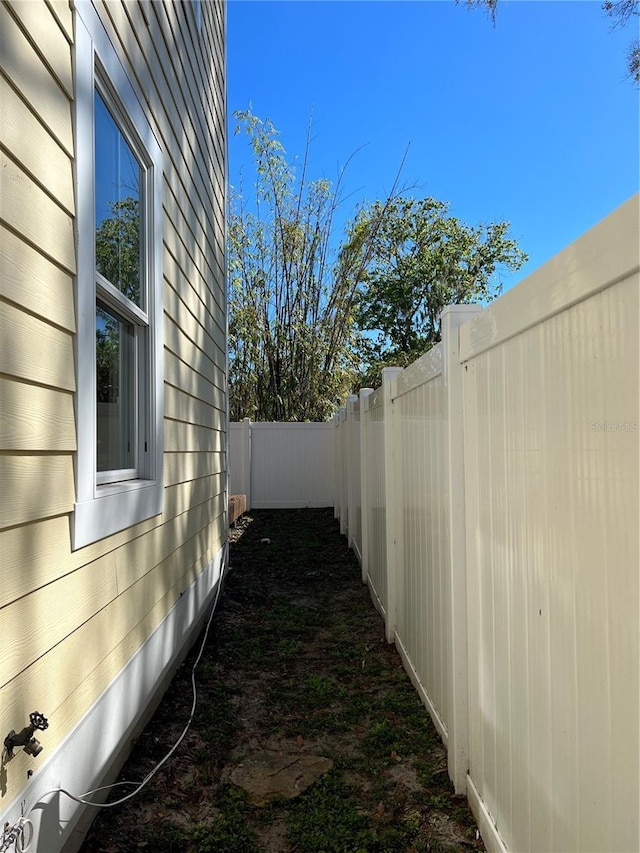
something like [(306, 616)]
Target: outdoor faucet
[(25, 738)]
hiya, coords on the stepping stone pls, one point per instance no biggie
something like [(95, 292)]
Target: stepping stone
[(267, 775)]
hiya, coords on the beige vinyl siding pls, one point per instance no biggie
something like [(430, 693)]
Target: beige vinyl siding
[(28, 141), (189, 437), (209, 317), (204, 324), (35, 283), (75, 618), (35, 486), (184, 376), (61, 11), (203, 305), (49, 41), (44, 618), (198, 350), (34, 215), (36, 685), (35, 350), (46, 546), (32, 417), (70, 690), (183, 407), (185, 467), (31, 77)]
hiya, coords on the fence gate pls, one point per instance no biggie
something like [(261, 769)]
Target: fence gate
[(282, 465)]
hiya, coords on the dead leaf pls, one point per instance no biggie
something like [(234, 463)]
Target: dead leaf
[(300, 741)]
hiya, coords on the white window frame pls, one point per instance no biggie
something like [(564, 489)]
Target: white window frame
[(103, 508)]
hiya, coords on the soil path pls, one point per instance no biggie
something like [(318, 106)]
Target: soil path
[(296, 674)]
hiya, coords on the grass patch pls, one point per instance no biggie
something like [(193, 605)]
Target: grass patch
[(216, 717), (296, 662), (230, 831), (326, 819)]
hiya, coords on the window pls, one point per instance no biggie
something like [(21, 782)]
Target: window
[(119, 294)]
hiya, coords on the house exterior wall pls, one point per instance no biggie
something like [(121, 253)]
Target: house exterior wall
[(72, 620)]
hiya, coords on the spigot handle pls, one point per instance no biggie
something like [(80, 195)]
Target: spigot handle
[(38, 721)]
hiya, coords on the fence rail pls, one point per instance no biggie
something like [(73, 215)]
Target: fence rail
[(493, 505)]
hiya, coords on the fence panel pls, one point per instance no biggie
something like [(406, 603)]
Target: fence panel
[(342, 452), (337, 469), (431, 610), (291, 464), (424, 590), (354, 475), (375, 503), (551, 462)]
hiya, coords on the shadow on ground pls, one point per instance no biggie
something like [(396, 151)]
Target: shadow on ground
[(295, 669)]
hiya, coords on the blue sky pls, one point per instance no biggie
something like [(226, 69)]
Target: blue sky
[(532, 121)]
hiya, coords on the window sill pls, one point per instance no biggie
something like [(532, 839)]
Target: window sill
[(115, 508)]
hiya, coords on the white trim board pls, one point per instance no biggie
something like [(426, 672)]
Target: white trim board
[(93, 753), (488, 830)]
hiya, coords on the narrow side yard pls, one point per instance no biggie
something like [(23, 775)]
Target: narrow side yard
[(296, 682)]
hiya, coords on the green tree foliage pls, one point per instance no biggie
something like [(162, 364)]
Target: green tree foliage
[(619, 12), (118, 247), (291, 323), (118, 260), (107, 358), (419, 259), (302, 322)]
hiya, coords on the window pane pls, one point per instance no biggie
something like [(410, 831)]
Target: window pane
[(115, 383), (117, 205)]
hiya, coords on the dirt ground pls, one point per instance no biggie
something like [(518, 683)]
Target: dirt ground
[(296, 667)]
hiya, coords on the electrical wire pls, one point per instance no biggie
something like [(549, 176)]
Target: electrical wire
[(15, 835), (140, 785), (20, 844)]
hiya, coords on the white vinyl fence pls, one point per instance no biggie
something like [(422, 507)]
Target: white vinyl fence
[(282, 465), (496, 521)]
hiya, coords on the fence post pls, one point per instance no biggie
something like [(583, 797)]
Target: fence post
[(246, 460), (349, 423), (458, 742), (391, 499), (364, 481)]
